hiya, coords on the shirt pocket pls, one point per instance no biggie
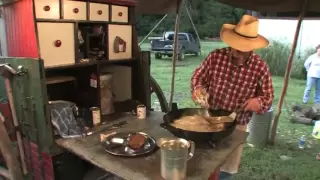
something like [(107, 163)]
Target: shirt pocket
[(249, 89)]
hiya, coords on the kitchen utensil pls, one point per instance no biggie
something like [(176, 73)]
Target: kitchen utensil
[(117, 144), (107, 128), (197, 136), (175, 152), (223, 119)]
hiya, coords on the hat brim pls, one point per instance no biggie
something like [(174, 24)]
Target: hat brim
[(240, 43)]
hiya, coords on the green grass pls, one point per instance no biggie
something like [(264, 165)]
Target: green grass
[(264, 164)]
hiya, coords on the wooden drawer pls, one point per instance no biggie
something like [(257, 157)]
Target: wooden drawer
[(120, 42), (74, 10), (98, 12), (49, 9), (119, 14), (56, 41)]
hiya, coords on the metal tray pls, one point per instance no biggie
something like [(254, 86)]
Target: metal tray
[(119, 149)]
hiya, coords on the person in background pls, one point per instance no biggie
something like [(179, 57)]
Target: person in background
[(235, 78), (312, 65)]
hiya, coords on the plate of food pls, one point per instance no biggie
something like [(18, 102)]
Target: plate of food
[(128, 144)]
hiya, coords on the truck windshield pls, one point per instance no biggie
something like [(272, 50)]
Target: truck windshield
[(180, 36)]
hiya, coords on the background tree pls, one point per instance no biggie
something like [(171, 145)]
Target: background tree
[(208, 17)]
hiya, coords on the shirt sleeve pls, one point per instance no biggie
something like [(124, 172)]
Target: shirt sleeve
[(266, 92), (307, 63), (200, 76)]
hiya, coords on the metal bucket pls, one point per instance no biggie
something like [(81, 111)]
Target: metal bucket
[(259, 129), (175, 152), (316, 130)]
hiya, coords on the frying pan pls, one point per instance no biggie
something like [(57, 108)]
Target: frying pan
[(197, 136)]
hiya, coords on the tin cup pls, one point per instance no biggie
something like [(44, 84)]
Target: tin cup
[(96, 117), (141, 111)]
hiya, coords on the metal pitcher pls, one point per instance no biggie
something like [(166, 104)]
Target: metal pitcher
[(175, 152)]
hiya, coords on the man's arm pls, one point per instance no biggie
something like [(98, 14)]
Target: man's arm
[(266, 94), (308, 63), (200, 77)]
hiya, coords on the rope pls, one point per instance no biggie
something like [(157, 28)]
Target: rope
[(190, 17), (152, 29), (175, 55)]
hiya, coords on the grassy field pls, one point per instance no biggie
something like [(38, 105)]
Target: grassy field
[(284, 161)]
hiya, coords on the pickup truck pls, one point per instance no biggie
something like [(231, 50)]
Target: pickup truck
[(186, 45)]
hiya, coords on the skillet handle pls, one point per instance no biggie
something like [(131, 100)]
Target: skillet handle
[(169, 128), (164, 126)]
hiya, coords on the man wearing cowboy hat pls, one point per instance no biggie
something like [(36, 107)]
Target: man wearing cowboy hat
[(235, 78)]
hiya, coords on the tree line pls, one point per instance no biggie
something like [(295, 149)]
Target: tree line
[(207, 15)]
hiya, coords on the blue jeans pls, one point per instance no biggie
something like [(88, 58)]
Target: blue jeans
[(225, 176), (310, 82)]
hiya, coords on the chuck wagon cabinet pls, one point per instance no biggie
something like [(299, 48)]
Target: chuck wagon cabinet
[(60, 48)]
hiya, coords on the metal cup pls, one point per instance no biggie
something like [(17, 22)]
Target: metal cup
[(175, 152)]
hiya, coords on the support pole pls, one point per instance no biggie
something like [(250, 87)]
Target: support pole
[(16, 124), (152, 29), (14, 171), (175, 54), (288, 72), (190, 18)]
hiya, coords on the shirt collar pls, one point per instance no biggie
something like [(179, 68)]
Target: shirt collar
[(248, 61)]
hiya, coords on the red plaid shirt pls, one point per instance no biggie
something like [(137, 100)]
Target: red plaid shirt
[(230, 85)]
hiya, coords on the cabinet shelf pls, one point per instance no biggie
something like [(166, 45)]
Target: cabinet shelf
[(92, 63), (59, 79)]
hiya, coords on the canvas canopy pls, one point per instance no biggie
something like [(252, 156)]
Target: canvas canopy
[(169, 6)]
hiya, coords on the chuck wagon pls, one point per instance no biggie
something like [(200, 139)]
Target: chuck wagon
[(84, 54)]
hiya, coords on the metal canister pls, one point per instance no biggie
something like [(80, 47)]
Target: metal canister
[(96, 117), (175, 152), (141, 112)]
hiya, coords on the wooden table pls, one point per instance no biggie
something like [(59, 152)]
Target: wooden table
[(204, 162)]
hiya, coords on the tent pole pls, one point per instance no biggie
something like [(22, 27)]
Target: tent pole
[(152, 29), (287, 74), (175, 55), (190, 17)]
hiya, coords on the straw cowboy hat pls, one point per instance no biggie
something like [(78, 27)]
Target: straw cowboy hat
[(243, 36)]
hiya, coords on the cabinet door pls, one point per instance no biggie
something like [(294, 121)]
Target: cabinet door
[(74, 10), (49, 9), (119, 14), (120, 42), (99, 12), (30, 101), (56, 41)]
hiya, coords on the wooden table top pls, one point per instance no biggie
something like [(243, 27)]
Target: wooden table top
[(200, 166)]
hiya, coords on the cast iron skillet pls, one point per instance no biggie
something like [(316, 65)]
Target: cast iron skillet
[(197, 136)]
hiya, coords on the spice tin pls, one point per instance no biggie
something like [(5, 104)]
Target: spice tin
[(96, 119), (141, 112)]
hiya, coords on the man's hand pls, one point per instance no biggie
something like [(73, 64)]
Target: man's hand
[(252, 104), (200, 96)]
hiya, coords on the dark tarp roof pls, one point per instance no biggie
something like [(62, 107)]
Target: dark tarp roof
[(169, 6)]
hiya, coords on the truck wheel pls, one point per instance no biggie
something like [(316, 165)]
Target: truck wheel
[(181, 55), (197, 53), (158, 56)]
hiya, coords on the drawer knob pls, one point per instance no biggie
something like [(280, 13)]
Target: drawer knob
[(99, 12), (120, 13), (75, 10), (57, 43), (46, 8)]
